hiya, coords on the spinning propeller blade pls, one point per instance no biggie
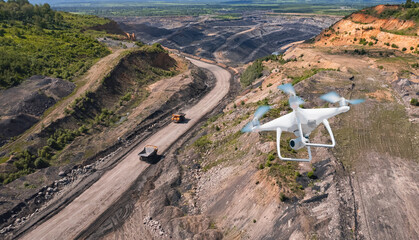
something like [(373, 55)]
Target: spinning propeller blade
[(261, 111), (356, 101), (294, 101), (255, 122), (287, 88), (297, 100), (333, 97), (247, 128)]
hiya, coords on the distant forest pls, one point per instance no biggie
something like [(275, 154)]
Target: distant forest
[(36, 40)]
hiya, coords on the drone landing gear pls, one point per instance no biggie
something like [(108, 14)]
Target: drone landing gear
[(306, 144), (278, 140), (326, 124)]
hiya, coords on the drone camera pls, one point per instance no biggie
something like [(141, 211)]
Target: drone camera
[(297, 143)]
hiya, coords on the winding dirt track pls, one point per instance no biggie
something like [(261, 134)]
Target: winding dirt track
[(86, 208)]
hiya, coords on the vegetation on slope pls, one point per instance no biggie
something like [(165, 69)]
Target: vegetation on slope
[(251, 73), (254, 71), (36, 40), (407, 11)]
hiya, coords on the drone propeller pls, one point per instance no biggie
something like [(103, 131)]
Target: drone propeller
[(333, 97), (294, 101), (287, 88), (255, 122)]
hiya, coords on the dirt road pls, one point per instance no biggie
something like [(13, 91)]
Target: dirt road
[(86, 208)]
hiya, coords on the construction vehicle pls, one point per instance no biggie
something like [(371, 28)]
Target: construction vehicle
[(148, 154), (178, 117)]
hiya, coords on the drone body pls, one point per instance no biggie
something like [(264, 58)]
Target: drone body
[(300, 121)]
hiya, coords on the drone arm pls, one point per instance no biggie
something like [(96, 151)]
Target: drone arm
[(278, 140), (326, 124)]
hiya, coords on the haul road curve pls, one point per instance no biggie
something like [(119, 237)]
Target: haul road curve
[(86, 208)]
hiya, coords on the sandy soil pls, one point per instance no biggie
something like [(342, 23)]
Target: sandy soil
[(84, 210)]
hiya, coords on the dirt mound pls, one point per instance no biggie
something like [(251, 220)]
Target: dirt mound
[(21, 106)]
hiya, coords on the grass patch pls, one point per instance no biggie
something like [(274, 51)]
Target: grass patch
[(4, 159), (203, 143), (308, 73)]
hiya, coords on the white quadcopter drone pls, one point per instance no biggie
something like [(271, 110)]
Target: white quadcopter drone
[(300, 121)]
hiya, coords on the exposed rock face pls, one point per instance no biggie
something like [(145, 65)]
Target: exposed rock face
[(389, 33), (21, 106)]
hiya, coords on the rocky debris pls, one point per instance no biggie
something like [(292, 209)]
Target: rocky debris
[(155, 228), (408, 88), (46, 193)]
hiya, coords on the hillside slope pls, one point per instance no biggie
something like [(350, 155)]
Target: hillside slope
[(383, 26)]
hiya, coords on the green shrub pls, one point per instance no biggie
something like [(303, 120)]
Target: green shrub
[(311, 175), (404, 49), (251, 73), (271, 157), (126, 97), (265, 101), (83, 129), (203, 142), (283, 197), (41, 163), (45, 152), (394, 46), (414, 102), (363, 41)]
